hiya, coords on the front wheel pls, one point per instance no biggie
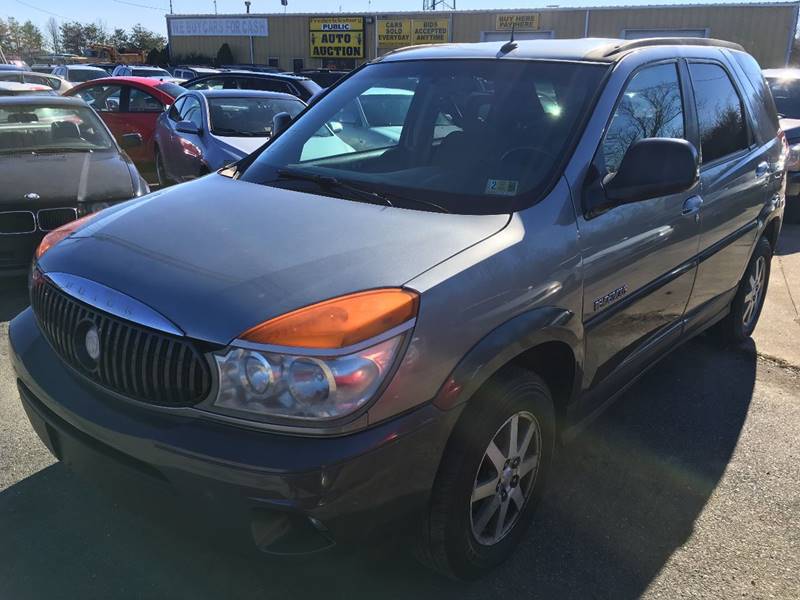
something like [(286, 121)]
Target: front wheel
[(161, 172), (749, 300), (491, 477)]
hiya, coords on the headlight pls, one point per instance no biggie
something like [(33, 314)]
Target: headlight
[(793, 158), (316, 363), (258, 383)]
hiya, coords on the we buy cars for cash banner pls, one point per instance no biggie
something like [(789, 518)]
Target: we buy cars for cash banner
[(336, 37)]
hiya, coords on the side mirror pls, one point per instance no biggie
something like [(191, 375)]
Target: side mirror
[(131, 140), (187, 127), (653, 167), (280, 122)]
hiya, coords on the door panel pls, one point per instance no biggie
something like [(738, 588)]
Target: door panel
[(638, 258), (735, 184)]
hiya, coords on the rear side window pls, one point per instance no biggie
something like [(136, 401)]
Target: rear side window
[(651, 106), (720, 113), (141, 101), (767, 117)]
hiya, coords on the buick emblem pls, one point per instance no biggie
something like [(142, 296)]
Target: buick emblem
[(32, 196), (92, 342)]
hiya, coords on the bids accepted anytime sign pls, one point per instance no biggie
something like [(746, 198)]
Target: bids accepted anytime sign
[(336, 37)]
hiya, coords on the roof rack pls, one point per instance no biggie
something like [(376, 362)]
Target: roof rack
[(628, 45)]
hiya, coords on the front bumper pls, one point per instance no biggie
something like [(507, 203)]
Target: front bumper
[(292, 494), (16, 252)]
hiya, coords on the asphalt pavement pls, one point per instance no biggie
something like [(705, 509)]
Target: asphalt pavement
[(688, 487)]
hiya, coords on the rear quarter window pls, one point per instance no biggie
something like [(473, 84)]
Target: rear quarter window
[(764, 104)]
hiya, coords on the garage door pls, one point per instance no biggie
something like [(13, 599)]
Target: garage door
[(502, 36), (638, 34)]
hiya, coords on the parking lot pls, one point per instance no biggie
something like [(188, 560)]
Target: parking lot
[(687, 487)]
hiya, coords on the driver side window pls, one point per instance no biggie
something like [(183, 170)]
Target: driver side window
[(651, 106)]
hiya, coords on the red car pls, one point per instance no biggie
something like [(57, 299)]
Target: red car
[(130, 105)]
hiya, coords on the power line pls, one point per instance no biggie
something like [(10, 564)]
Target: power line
[(139, 5), (41, 9)]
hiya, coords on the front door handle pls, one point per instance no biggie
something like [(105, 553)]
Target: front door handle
[(762, 169), (692, 206)]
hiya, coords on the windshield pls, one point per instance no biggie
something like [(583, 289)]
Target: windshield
[(150, 73), (248, 116), (26, 128), (77, 75), (787, 96), (471, 136)]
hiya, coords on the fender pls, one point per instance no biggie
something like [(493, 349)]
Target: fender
[(503, 344)]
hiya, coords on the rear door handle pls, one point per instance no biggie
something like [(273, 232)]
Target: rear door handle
[(762, 169), (692, 206)]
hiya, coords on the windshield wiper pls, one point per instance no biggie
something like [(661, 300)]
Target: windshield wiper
[(59, 150), (329, 182), (387, 198), (237, 133)]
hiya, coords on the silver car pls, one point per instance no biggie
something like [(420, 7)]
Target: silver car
[(206, 130), (322, 343)]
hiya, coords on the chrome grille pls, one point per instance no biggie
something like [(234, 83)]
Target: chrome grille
[(134, 361), (53, 218), (17, 221)]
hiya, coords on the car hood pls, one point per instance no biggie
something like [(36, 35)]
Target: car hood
[(61, 179), (791, 127), (217, 256), (241, 146)]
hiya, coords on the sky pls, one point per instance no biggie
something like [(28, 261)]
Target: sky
[(150, 13)]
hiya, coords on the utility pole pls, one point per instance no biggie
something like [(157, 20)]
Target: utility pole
[(247, 6), (215, 6)]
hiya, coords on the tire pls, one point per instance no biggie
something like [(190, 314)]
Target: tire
[(745, 310), (457, 539), (161, 172)]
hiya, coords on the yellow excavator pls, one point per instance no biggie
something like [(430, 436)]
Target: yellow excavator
[(105, 53)]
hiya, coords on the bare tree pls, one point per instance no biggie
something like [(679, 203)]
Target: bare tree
[(53, 33)]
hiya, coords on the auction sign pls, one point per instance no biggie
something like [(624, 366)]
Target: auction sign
[(336, 37), (517, 22), (396, 33)]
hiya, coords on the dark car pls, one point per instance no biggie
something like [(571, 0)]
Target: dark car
[(204, 131), (285, 83), (58, 161), (785, 87), (396, 339), (323, 77)]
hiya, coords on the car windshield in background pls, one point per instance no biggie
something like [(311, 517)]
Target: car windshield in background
[(787, 96), (150, 73), (26, 128), (173, 89), (79, 75), (248, 117), (470, 136)]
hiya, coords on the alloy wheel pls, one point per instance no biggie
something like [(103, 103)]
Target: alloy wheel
[(752, 301), (505, 478)]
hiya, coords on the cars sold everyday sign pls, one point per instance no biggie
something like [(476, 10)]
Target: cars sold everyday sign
[(336, 37), (395, 33)]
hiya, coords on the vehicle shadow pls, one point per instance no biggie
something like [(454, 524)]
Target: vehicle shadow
[(13, 297), (622, 499), (789, 240)]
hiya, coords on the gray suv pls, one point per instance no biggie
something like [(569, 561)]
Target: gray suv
[(327, 339)]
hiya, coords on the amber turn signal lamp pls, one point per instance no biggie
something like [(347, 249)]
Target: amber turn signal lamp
[(55, 236), (338, 322)]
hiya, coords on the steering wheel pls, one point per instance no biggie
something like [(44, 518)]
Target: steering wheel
[(520, 149)]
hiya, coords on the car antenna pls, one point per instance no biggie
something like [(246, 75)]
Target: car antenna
[(510, 44)]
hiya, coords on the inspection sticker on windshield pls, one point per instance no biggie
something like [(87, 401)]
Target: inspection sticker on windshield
[(502, 187)]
